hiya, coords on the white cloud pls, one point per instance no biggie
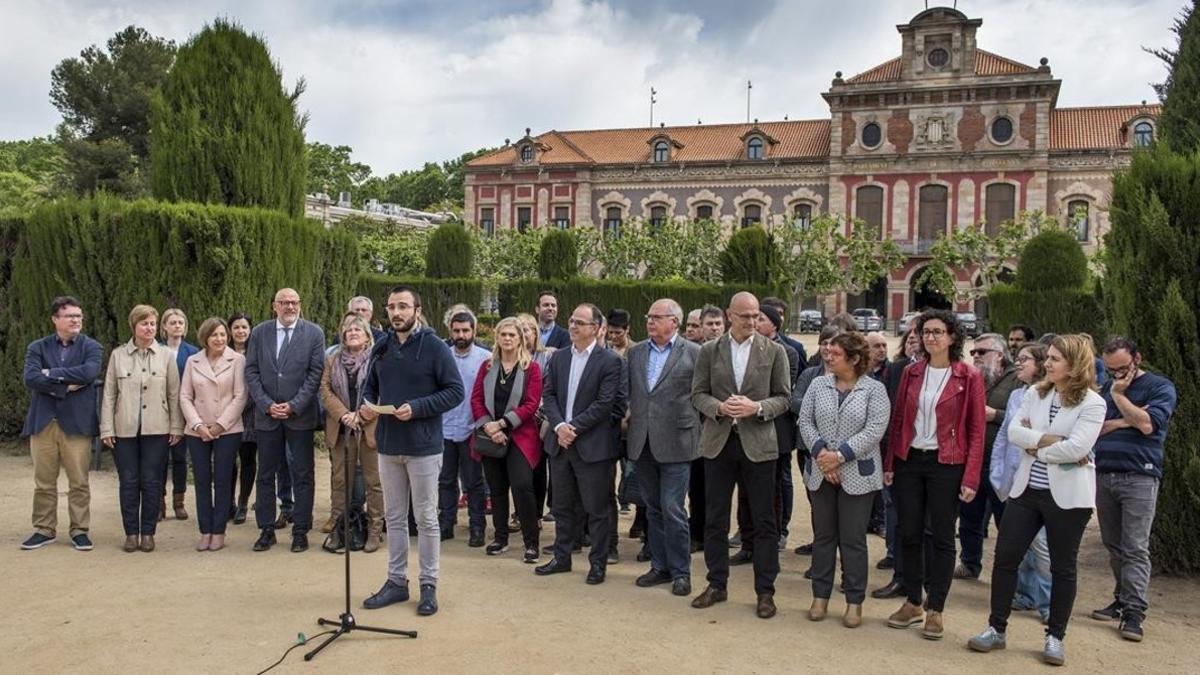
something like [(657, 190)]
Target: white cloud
[(409, 82)]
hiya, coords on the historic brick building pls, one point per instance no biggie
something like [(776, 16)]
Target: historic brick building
[(944, 135)]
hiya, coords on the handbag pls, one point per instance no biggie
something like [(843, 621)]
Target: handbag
[(486, 447)]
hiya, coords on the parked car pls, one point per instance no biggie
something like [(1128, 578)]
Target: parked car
[(970, 324), (811, 320), (868, 319), (905, 321)]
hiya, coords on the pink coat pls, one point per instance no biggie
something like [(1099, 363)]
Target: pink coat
[(213, 396)]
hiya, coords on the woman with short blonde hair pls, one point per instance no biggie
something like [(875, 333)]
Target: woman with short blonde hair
[(173, 332)]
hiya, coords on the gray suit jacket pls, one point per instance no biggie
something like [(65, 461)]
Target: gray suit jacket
[(664, 416), (293, 377), (766, 381)]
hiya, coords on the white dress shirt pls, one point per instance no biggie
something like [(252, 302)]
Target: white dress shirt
[(280, 332), (579, 361), (741, 357)]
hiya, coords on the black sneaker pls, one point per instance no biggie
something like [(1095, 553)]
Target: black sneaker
[(1131, 627), (531, 556), (390, 593), (496, 548), (476, 539), (299, 543), (81, 542), (428, 605), (38, 540), (1110, 613)]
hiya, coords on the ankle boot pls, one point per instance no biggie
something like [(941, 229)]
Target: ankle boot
[(180, 512), (853, 616)]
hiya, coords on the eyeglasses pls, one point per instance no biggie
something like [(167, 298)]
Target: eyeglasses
[(933, 332), (1118, 373), (747, 316), (1025, 358), (577, 322), (981, 352), (70, 316), (662, 317), (288, 303)]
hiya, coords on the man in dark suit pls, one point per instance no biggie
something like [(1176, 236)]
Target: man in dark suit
[(284, 360), (740, 386), (664, 432), (546, 310), (578, 400), (60, 374)]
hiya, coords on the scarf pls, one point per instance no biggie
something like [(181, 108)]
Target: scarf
[(354, 363)]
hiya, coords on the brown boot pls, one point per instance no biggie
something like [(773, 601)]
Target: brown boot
[(853, 616), (908, 615), (372, 543), (131, 543), (932, 630), (180, 512), (328, 526), (147, 543), (820, 606)]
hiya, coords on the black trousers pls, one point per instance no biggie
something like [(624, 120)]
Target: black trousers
[(783, 511), (590, 484), (696, 501), (757, 479), (1023, 517), (924, 489), (271, 448), (512, 471), (243, 473)]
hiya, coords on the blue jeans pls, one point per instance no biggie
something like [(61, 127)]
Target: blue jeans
[(140, 461), (212, 462), (456, 464), (1033, 577), (664, 487)]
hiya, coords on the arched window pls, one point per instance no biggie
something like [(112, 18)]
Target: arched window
[(931, 215), (751, 215), (662, 151), (1001, 206), (869, 207), (1143, 134), (1078, 212), (658, 217), (526, 153), (754, 148), (704, 212), (802, 215), (612, 221)]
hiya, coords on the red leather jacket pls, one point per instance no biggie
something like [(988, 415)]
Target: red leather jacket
[(961, 419)]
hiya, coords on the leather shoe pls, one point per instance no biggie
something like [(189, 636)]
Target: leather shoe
[(131, 543), (892, 590), (552, 567), (653, 578), (644, 554), (766, 606), (595, 575), (265, 540), (389, 594), (885, 563), (710, 597), (681, 586), (613, 556), (299, 543), (804, 549), (742, 557), (147, 543), (475, 539), (428, 605)]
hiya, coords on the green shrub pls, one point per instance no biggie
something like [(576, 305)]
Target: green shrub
[(206, 260), (437, 295), (448, 254), (558, 257), (748, 258), (1052, 259), (1053, 311)]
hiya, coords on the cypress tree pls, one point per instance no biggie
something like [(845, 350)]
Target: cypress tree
[(748, 258), (558, 257), (1179, 123), (223, 128)]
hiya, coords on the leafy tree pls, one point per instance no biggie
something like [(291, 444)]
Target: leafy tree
[(388, 247), (30, 171), (455, 172), (448, 253), (1179, 123), (673, 250), (224, 129), (330, 170), (557, 258), (507, 254), (105, 96), (821, 258)]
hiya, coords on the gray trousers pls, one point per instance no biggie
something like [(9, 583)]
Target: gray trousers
[(840, 523), (400, 476), (1125, 504)]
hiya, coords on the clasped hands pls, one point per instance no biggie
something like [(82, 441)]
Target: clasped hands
[(827, 463), (737, 407), (566, 434), (495, 432)]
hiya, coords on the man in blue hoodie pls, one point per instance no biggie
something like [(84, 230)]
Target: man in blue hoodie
[(414, 372)]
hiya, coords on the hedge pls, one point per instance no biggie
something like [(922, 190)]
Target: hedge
[(205, 259), (1055, 311), (437, 295)]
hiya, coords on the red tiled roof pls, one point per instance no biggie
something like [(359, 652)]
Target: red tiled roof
[(800, 139), (986, 63), (1094, 128)]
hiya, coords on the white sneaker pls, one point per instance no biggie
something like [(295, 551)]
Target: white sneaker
[(1054, 653), (988, 640)]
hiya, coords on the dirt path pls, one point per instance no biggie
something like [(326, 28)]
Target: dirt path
[(235, 611)]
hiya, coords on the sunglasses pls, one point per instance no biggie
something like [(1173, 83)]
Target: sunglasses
[(981, 352)]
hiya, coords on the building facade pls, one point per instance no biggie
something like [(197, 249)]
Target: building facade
[(945, 135)]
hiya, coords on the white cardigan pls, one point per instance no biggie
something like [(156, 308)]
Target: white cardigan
[(1071, 485)]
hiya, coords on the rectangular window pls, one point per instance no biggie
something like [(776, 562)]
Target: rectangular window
[(1001, 207), (562, 217), (1078, 213), (487, 221), (658, 217), (612, 221), (802, 215), (704, 212), (752, 215), (524, 218), (931, 215), (869, 206)]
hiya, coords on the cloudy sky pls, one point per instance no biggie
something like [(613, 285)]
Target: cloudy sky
[(409, 81)]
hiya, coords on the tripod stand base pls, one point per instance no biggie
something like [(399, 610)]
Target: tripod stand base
[(346, 624)]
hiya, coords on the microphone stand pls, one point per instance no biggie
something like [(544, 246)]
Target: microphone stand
[(346, 622)]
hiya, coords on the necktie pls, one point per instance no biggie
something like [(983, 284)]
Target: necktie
[(287, 337)]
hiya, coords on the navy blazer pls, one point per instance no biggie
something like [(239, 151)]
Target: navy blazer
[(559, 337), (595, 400), (293, 377), (77, 411)]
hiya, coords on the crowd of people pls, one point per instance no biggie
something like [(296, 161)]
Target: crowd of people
[(935, 441)]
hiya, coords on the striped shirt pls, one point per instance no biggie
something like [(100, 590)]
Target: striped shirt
[(1039, 479)]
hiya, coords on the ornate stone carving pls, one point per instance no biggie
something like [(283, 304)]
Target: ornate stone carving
[(705, 197), (614, 198), (655, 198), (935, 131), (804, 195)]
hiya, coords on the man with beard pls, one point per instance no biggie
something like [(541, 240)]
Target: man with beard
[(414, 373), (991, 358), (284, 361), (546, 311), (457, 427)]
